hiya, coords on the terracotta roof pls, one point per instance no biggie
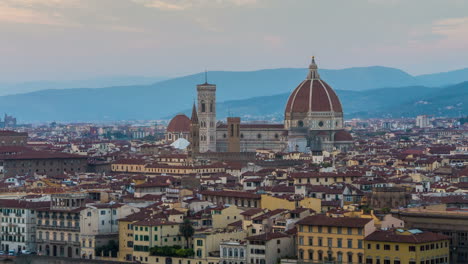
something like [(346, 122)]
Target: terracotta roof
[(396, 236), (235, 194), (42, 155), (154, 222), (343, 135), (313, 96), (252, 211), (7, 203), (12, 133), (322, 220), (180, 123), (267, 236)]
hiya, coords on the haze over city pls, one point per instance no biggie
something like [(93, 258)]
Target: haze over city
[(234, 131)]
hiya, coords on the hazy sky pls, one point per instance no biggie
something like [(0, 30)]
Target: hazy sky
[(70, 39)]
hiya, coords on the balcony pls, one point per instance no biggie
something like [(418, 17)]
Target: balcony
[(65, 228), (58, 242)]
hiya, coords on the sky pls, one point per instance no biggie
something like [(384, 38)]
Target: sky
[(79, 39)]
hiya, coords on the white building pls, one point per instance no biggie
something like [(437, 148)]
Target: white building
[(422, 121), (269, 247), (233, 252), (99, 225), (18, 224)]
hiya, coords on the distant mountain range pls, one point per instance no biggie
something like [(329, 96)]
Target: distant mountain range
[(386, 102), (7, 88), (243, 94)]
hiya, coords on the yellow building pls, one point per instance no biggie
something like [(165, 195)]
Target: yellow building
[(129, 165), (341, 239), (141, 166), (150, 232), (273, 203), (400, 246), (126, 239), (323, 178), (226, 216)]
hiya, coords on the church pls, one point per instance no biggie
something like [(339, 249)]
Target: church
[(313, 121)]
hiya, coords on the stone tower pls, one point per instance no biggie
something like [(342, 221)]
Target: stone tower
[(233, 134), (207, 116), (194, 132)]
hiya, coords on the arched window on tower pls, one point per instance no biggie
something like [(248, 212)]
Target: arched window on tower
[(211, 106), (203, 107)]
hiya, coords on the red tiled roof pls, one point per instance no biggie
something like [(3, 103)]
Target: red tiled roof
[(396, 236), (235, 194), (343, 135), (313, 96), (322, 220), (180, 123), (42, 155), (267, 236), (12, 133)]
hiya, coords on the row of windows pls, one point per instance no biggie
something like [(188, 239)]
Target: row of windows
[(440, 260), (339, 256), (332, 179), (141, 228), (37, 163), (50, 170), (329, 230), (146, 238), (103, 212), (7, 211), (230, 252), (141, 248), (58, 223), (203, 124), (13, 238), (12, 220), (410, 248), (259, 136), (339, 242), (54, 236), (12, 229)]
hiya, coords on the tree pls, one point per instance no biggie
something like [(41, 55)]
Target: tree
[(187, 230)]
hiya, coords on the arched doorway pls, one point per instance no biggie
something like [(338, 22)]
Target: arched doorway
[(54, 251), (47, 249), (70, 252)]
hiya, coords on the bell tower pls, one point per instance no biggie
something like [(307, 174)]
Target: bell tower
[(194, 132), (207, 116)]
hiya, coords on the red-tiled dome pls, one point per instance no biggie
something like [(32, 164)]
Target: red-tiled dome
[(313, 96), (180, 123), (343, 135)]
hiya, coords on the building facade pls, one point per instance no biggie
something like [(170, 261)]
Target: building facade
[(406, 246), (313, 121), (45, 163), (58, 227), (18, 224), (322, 238), (12, 138)]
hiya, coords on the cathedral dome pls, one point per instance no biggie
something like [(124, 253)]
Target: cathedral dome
[(313, 95), (180, 123), (313, 104)]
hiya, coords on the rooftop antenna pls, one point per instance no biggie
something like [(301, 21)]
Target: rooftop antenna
[(206, 77)]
